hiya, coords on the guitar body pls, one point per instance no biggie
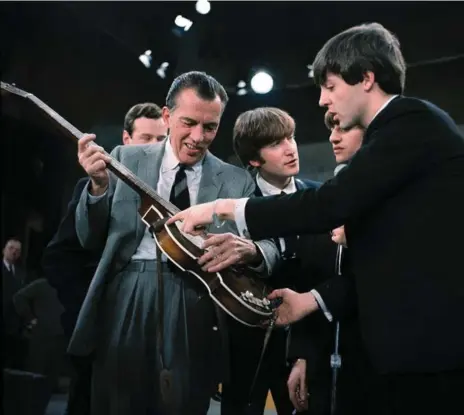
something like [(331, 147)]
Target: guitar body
[(239, 291)]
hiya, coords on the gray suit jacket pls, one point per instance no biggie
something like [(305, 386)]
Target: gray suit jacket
[(113, 224)]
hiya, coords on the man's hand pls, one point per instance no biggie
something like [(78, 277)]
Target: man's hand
[(196, 217), (294, 306), (93, 159), (338, 236), (225, 250), (297, 387)]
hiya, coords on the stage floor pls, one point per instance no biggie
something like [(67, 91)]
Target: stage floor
[(57, 406)]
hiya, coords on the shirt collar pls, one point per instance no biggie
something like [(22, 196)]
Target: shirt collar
[(170, 161), (269, 189), (339, 167), (384, 106), (8, 266)]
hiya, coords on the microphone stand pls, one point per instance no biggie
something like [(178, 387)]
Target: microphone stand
[(335, 358)]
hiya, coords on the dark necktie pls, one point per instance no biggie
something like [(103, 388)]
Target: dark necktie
[(291, 244), (179, 192), (179, 197)]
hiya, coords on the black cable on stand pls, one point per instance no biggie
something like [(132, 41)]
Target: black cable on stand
[(335, 358), (274, 304)]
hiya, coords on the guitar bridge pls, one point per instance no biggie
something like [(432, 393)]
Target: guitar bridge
[(250, 298)]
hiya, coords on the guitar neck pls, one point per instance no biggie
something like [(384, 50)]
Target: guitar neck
[(118, 169), (143, 189)]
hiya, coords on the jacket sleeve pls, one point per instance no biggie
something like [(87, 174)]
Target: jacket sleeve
[(24, 298), (93, 213), (267, 247), (391, 159)]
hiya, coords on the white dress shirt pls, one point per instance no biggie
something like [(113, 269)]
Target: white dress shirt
[(167, 174), (268, 189), (9, 267)]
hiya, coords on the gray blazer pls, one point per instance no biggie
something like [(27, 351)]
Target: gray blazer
[(113, 224)]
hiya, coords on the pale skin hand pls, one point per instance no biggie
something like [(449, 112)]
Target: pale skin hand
[(225, 250), (338, 236), (294, 306), (197, 217), (94, 161), (297, 387)]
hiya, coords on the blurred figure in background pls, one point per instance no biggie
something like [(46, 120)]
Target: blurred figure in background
[(13, 279)]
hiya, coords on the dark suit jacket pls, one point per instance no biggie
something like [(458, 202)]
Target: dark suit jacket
[(39, 300), (246, 343), (400, 199), (69, 267), (281, 275), (11, 284)]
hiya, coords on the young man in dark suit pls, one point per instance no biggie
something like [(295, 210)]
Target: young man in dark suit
[(400, 199), (264, 141), (313, 339)]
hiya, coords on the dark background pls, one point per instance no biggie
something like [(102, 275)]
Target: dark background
[(81, 58)]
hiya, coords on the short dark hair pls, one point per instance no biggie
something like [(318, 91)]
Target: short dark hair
[(258, 128), (146, 110), (368, 47), (329, 120), (207, 88)]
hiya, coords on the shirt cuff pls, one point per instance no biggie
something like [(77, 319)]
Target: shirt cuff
[(240, 217), (322, 306), (264, 264), (94, 199)]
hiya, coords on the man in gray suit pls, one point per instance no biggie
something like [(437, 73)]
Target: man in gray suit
[(119, 318)]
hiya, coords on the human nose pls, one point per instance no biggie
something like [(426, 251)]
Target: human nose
[(289, 146), (197, 133), (334, 137), (323, 98)]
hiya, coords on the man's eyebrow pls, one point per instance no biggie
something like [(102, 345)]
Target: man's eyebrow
[(188, 119)]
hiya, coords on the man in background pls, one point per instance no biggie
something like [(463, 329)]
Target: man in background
[(264, 141), (313, 339), (13, 279)]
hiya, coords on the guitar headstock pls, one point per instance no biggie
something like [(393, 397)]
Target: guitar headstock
[(13, 90)]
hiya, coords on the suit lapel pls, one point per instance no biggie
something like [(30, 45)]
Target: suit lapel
[(300, 184), (147, 169), (210, 185)]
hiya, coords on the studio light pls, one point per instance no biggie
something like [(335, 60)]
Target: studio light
[(262, 82), (203, 6), (145, 58), (161, 71), (183, 22), (311, 71)]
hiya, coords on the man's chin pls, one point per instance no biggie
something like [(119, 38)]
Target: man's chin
[(293, 171), (191, 159)]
